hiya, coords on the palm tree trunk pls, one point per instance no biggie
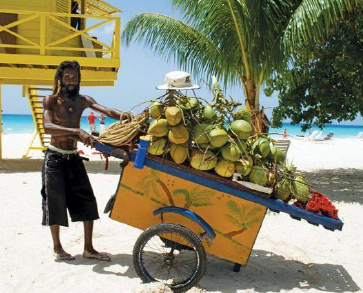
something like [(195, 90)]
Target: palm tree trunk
[(168, 194), (253, 105), (187, 205), (234, 233)]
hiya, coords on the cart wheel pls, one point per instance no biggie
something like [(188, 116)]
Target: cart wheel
[(180, 269)]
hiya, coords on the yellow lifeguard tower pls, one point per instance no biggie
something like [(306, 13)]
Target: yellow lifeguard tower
[(37, 35)]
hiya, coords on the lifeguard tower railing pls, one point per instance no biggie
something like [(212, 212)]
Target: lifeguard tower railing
[(34, 43), (52, 40)]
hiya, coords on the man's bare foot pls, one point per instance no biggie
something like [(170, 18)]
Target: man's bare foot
[(61, 255), (93, 254)]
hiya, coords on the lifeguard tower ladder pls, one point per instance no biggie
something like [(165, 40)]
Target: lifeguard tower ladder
[(37, 35)]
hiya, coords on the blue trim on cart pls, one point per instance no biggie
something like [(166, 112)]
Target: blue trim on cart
[(273, 204), (190, 215), (104, 148)]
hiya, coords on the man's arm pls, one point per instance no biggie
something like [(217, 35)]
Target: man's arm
[(112, 113), (57, 130)]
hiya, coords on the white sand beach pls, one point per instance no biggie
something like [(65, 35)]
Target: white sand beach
[(288, 256)]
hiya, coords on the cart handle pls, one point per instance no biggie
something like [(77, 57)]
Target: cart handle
[(190, 215)]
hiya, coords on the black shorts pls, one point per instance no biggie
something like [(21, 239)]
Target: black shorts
[(66, 185)]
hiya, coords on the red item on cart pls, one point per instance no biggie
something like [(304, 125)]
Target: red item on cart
[(321, 204)]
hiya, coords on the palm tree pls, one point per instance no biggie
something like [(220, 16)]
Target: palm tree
[(243, 217), (195, 197), (149, 184), (242, 42)]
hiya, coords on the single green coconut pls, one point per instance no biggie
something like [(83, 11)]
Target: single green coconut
[(178, 152), (261, 146), (200, 133), (156, 110), (283, 189), (300, 190), (225, 168), (174, 115), (264, 147), (158, 128), (242, 129), (243, 114), (218, 137), (194, 102), (209, 113), (244, 166), (178, 134), (276, 155), (205, 146), (203, 160), (184, 104), (157, 147), (258, 176), (231, 152)]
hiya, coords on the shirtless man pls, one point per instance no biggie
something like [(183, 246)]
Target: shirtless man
[(65, 181)]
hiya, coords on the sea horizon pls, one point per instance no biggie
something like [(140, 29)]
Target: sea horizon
[(23, 123)]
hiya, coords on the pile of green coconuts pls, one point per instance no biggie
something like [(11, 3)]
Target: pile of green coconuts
[(218, 138)]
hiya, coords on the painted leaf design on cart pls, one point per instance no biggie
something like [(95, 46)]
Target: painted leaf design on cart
[(149, 186), (242, 217), (197, 197)]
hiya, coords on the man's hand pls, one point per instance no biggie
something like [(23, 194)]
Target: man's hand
[(86, 138), (126, 115)]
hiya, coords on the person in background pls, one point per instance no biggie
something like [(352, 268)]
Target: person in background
[(91, 121), (284, 136), (75, 21), (102, 122)]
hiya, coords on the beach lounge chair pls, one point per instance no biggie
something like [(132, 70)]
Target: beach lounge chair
[(310, 134), (316, 134), (283, 145), (327, 137), (360, 135), (306, 135)]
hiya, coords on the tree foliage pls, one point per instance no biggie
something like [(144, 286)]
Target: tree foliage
[(330, 78), (240, 42)]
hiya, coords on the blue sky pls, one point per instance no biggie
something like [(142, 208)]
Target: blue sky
[(141, 71)]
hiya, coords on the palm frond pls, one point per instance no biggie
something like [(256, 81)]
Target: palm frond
[(174, 39), (234, 208), (155, 189), (154, 174), (252, 212), (183, 192), (252, 222), (311, 20), (200, 201), (233, 221)]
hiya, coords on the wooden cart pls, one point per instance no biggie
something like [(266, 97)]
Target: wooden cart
[(187, 214)]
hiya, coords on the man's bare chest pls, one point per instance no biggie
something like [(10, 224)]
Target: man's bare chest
[(68, 113)]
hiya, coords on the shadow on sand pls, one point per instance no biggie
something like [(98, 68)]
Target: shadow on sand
[(265, 272), (342, 185)]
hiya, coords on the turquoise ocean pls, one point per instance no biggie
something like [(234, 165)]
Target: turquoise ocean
[(13, 123)]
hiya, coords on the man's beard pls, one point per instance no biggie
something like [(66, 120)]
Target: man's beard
[(70, 93)]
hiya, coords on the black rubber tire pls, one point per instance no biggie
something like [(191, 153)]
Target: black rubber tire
[(187, 234)]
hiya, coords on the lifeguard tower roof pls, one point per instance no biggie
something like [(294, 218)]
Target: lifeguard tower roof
[(100, 7)]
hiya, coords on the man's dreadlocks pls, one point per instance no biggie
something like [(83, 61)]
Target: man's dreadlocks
[(59, 74)]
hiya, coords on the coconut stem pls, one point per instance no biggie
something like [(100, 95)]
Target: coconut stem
[(171, 97)]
